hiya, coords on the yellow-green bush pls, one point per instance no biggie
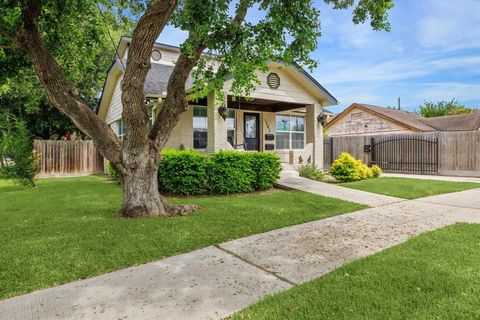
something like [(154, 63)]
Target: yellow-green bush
[(376, 171), (347, 168)]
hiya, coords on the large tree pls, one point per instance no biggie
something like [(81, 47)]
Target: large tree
[(287, 30)]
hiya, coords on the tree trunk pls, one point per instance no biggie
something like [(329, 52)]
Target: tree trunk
[(141, 197)]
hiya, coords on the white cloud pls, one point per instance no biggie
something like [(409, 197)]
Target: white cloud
[(450, 25), (446, 91), (353, 70)]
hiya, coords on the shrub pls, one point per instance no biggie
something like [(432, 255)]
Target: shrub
[(112, 172), (311, 172), (376, 171), (19, 160), (266, 167), (230, 172), (364, 171), (347, 168), (182, 172)]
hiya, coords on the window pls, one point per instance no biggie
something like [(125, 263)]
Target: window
[(199, 127), (290, 132), (231, 127), (121, 129)]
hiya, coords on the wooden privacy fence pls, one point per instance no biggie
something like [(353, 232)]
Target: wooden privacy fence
[(449, 153), (68, 158)]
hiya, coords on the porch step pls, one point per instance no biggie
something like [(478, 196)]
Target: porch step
[(289, 170)]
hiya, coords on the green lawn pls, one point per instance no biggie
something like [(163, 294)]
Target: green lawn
[(433, 276), (66, 229), (409, 188)]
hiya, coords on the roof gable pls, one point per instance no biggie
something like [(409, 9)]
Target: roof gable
[(403, 118)]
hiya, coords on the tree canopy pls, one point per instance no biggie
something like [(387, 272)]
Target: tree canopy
[(280, 30), (442, 108), (78, 34)]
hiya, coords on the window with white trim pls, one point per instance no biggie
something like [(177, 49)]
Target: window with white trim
[(120, 129), (231, 127), (290, 132), (200, 127)]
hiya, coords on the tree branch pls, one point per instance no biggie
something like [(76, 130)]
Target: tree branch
[(61, 91), (237, 20), (13, 46), (147, 31), (176, 100)]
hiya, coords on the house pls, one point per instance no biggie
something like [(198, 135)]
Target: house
[(364, 119), (329, 115), (282, 114)]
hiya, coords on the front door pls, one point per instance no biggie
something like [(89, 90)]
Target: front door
[(251, 131)]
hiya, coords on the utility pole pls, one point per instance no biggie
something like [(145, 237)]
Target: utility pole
[(398, 103)]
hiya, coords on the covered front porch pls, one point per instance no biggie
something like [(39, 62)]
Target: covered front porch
[(291, 130), (282, 115)]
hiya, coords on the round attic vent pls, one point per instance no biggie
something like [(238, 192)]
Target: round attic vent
[(156, 55), (273, 80)]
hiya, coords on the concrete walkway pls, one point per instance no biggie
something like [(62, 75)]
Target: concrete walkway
[(432, 177), (335, 191), (214, 282)]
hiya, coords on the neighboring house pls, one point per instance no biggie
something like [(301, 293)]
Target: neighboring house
[(363, 119), (282, 115), (458, 122), (329, 115)]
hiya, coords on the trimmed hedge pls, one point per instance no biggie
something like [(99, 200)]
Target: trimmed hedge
[(189, 172), (230, 172), (182, 172), (267, 169)]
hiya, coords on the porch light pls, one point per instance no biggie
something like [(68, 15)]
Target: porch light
[(322, 119), (222, 110)]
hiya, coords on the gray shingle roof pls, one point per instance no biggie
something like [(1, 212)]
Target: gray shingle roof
[(157, 79)]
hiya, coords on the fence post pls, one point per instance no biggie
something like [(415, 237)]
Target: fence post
[(372, 144), (331, 150)]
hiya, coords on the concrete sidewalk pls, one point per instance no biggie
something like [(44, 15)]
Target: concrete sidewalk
[(335, 191), (214, 282)]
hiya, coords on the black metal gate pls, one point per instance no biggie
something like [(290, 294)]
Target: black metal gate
[(406, 154)]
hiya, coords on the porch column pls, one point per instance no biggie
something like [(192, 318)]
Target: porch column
[(315, 133), (217, 127)]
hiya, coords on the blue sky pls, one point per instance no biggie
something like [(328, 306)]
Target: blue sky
[(432, 53)]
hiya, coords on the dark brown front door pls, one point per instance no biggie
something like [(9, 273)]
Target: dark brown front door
[(251, 131)]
